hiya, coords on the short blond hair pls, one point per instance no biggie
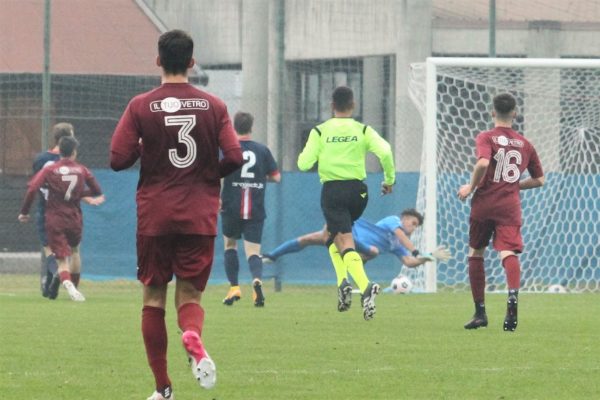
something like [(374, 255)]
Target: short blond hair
[(61, 130)]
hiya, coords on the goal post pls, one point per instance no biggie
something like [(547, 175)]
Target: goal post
[(557, 110)]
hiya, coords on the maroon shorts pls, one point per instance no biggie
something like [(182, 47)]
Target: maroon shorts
[(60, 240), (189, 257), (506, 237)]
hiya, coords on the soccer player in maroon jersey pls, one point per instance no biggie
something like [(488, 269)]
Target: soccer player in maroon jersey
[(50, 281), (66, 182), (243, 209), (502, 156), (177, 131)]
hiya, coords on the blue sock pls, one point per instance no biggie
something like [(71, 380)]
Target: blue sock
[(291, 246), (256, 266), (232, 266)]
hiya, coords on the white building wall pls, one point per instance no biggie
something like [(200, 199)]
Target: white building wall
[(328, 29)]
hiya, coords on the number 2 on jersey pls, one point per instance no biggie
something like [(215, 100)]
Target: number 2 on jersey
[(187, 123), (249, 161), (504, 169)]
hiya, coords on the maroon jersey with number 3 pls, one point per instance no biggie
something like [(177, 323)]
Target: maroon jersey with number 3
[(497, 196), (178, 131)]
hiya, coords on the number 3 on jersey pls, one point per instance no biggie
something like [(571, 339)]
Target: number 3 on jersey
[(504, 169), (187, 123)]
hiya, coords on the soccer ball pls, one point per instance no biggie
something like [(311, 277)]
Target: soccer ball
[(556, 289), (401, 284)]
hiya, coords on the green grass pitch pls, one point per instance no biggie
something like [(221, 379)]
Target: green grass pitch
[(300, 347)]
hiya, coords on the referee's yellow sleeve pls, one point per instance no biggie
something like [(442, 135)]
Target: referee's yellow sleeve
[(310, 154)]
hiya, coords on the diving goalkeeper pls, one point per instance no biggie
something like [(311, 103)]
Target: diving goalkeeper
[(388, 235)]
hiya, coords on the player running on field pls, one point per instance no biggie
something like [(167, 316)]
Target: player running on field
[(50, 281), (178, 131), (502, 156), (339, 146), (388, 235), (243, 210), (67, 182)]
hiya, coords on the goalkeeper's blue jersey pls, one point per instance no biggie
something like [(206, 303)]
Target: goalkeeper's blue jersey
[(380, 235)]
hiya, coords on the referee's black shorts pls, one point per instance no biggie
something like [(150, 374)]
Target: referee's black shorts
[(343, 202)]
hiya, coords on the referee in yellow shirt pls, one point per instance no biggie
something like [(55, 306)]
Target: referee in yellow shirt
[(340, 147)]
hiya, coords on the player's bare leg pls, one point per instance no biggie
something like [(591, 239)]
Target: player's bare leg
[(75, 265), (477, 281)]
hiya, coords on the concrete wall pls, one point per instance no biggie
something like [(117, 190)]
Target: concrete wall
[(235, 32), (215, 26)]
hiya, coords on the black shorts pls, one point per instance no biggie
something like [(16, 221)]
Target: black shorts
[(235, 228), (343, 202)]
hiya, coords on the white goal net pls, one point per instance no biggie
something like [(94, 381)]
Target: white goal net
[(558, 111)]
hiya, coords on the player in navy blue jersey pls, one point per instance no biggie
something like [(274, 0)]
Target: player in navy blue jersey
[(243, 211), (49, 267)]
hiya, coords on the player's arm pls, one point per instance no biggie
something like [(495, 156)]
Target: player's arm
[(483, 150), (531, 183), (274, 177), (405, 241), (125, 146), (32, 188), (310, 154), (382, 149), (478, 172), (440, 254), (92, 195), (536, 174)]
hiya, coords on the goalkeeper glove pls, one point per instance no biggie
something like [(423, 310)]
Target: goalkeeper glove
[(439, 254)]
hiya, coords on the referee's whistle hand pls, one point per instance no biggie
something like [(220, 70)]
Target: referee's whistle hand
[(386, 189)]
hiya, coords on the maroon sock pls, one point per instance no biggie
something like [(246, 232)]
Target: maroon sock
[(64, 276), (154, 331), (190, 317), (477, 279), (512, 268), (75, 278)]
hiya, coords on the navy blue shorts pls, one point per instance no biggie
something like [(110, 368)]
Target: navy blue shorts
[(236, 228)]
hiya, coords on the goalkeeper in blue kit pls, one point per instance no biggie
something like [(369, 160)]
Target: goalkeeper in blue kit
[(388, 235)]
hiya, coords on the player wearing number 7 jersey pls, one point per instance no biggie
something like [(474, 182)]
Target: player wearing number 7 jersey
[(178, 132), (66, 182), (502, 156)]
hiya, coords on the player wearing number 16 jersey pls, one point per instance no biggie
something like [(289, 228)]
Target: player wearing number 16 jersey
[(177, 131), (502, 156)]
